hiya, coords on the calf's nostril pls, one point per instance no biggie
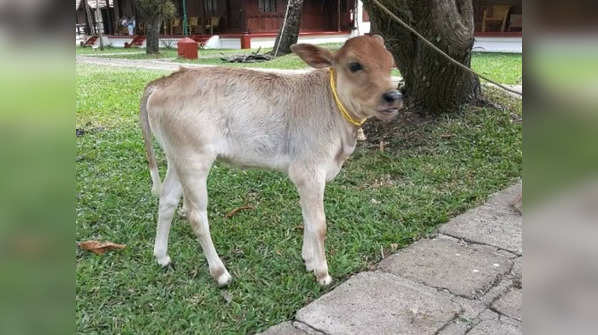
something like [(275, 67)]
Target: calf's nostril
[(391, 96)]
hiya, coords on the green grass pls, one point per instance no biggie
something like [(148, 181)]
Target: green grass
[(429, 173), (505, 68), (502, 67), (139, 53)]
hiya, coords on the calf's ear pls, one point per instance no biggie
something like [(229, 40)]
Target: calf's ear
[(313, 55), (378, 39)]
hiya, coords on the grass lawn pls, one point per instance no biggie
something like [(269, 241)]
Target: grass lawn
[(139, 53), (167, 54), (428, 173), (503, 67)]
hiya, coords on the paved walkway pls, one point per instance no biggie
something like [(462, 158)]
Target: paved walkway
[(465, 280), (158, 64)]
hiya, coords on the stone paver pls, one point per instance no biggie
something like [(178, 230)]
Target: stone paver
[(467, 280), (510, 304), (465, 270), (517, 268), (494, 324), (285, 328), (379, 303), (495, 223), (457, 327)]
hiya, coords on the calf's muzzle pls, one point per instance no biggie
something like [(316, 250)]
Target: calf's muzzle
[(392, 96)]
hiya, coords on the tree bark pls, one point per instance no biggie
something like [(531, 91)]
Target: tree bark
[(289, 29), (116, 12), (100, 22), (92, 30), (432, 84), (152, 25)]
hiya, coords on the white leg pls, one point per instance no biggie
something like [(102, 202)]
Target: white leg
[(310, 186), (170, 195), (307, 251), (196, 198), (183, 211)]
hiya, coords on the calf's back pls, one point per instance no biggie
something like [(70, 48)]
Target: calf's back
[(248, 117)]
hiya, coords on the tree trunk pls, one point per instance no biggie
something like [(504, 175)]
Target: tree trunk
[(116, 12), (152, 27), (89, 18), (100, 23), (289, 29), (432, 84)]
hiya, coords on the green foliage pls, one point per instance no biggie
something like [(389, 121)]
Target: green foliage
[(148, 9), (428, 173)]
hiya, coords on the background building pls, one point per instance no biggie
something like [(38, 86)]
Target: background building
[(255, 23)]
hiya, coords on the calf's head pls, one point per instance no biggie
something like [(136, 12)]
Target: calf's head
[(362, 67)]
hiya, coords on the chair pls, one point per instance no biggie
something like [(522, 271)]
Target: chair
[(214, 22), (193, 24), (175, 26), (496, 14), (515, 22)]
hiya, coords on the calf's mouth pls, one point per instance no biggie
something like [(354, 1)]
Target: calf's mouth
[(387, 113)]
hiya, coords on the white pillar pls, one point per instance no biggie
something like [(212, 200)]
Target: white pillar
[(362, 27)]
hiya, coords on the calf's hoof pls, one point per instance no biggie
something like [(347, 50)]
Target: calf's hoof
[(222, 277), (164, 261), (325, 280)]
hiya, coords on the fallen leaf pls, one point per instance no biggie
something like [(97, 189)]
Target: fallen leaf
[(99, 248), (234, 211)]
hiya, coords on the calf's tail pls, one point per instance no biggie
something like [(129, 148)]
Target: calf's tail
[(147, 139)]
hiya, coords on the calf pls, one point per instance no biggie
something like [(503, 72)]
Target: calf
[(304, 125)]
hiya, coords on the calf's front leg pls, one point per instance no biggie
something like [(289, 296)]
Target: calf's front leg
[(310, 186)]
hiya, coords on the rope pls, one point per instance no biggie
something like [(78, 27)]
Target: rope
[(431, 45), (340, 105), (284, 22)]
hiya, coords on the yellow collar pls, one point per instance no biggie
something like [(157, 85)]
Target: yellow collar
[(339, 104)]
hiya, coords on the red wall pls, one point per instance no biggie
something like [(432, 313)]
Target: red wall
[(244, 15), (258, 22), (318, 15)]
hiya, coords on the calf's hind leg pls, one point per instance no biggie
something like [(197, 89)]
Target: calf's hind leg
[(170, 195), (194, 179)]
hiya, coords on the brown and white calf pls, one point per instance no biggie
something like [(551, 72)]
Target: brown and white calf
[(290, 123)]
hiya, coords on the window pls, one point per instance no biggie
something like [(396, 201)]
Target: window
[(211, 6), (267, 6)]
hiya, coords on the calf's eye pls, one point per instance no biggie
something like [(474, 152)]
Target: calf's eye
[(354, 67)]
